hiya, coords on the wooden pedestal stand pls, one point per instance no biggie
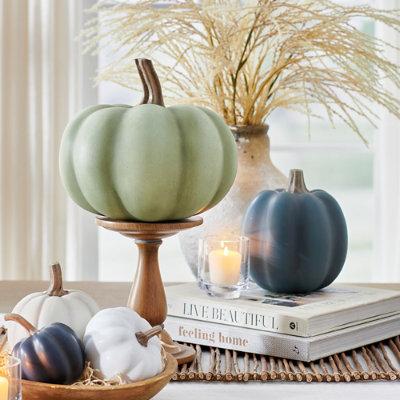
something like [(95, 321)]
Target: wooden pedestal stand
[(147, 295)]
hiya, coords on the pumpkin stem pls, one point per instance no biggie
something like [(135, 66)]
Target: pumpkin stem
[(151, 80), (56, 282), (145, 98), (296, 182), (21, 321), (144, 337)]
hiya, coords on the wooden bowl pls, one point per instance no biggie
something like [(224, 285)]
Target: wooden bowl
[(142, 390)]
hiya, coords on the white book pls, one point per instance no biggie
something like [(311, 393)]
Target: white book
[(330, 309), (278, 344)]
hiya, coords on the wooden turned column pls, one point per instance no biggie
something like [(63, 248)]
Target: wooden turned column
[(147, 296)]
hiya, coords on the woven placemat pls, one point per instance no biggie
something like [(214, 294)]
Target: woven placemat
[(378, 361)]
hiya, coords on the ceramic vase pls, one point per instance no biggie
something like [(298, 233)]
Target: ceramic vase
[(256, 172)]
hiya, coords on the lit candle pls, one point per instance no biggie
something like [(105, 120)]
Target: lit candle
[(3, 388), (224, 266)]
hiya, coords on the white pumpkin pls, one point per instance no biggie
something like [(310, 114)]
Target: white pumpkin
[(114, 345), (71, 307)]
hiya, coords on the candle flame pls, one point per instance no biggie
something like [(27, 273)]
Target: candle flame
[(226, 251)]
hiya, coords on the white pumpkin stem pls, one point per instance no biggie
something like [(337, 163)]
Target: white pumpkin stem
[(56, 282), (296, 182), (144, 337), (150, 79), (21, 321)]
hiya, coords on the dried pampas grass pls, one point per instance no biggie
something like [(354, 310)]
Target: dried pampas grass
[(245, 59)]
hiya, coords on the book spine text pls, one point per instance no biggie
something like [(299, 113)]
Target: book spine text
[(233, 338), (237, 316)]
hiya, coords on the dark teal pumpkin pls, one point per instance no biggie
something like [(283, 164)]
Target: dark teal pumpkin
[(53, 354), (298, 238)]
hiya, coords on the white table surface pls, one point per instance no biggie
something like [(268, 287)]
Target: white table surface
[(113, 294), (281, 391)]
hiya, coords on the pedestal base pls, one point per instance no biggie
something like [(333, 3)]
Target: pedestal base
[(183, 354), (147, 295)]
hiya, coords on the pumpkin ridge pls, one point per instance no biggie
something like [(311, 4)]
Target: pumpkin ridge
[(78, 301), (223, 188), (77, 343), (103, 208), (84, 298), (338, 257), (22, 303), (73, 316), (320, 209), (115, 163), (39, 311), (208, 195), (292, 205), (15, 331), (89, 111), (54, 342), (32, 354), (216, 195), (211, 192), (183, 171), (112, 169)]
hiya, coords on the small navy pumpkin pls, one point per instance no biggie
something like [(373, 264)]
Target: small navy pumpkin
[(298, 238), (53, 354)]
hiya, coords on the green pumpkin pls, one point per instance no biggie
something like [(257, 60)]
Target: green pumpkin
[(147, 162)]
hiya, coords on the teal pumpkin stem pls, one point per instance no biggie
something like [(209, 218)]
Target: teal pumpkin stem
[(296, 182), (21, 321), (150, 80)]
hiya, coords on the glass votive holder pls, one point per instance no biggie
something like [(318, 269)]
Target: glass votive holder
[(223, 265), (10, 377)]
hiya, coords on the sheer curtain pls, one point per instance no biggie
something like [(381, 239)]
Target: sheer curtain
[(43, 83), (387, 179)]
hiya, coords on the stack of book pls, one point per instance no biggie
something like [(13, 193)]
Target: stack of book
[(299, 327)]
